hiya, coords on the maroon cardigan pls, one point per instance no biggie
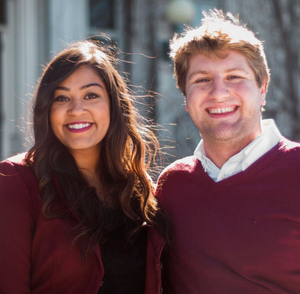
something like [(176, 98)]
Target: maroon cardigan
[(37, 255)]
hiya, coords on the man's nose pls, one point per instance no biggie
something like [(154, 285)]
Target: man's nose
[(219, 91)]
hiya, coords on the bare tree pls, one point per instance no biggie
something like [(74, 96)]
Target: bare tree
[(277, 22), (286, 15)]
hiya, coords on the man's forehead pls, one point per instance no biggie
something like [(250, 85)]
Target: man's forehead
[(228, 58), (216, 54)]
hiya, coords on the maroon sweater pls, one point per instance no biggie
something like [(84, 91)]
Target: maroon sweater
[(240, 235)]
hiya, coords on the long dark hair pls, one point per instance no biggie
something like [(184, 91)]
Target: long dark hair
[(123, 166)]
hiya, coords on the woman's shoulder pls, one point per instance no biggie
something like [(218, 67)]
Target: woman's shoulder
[(18, 186), (16, 168), (17, 159), (14, 162)]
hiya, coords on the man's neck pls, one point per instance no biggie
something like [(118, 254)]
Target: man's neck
[(220, 151)]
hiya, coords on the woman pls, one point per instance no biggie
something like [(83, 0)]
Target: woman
[(75, 210)]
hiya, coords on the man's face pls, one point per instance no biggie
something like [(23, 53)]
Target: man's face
[(223, 98)]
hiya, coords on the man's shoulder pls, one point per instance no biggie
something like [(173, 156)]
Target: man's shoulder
[(177, 174), (289, 147), (287, 155), (179, 168), (186, 164)]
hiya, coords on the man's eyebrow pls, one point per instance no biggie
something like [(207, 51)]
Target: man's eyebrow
[(81, 88), (197, 72), (236, 69), (204, 72)]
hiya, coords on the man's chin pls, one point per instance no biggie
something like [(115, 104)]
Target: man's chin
[(222, 133)]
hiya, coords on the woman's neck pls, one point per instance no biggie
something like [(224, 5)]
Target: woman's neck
[(86, 161), (88, 164)]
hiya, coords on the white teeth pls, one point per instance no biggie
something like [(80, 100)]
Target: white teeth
[(78, 126), (221, 110)]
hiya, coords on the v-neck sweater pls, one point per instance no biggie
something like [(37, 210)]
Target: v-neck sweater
[(239, 235)]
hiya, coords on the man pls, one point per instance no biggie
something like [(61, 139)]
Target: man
[(234, 206)]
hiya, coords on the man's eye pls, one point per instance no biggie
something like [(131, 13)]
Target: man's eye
[(232, 77), (61, 98), (91, 96), (203, 80)]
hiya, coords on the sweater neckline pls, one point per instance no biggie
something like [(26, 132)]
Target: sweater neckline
[(258, 164)]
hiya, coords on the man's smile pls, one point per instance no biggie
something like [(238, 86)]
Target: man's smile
[(214, 110)]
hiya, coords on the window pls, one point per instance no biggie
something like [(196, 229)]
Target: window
[(106, 17), (102, 14), (2, 12), (3, 20), (1, 110)]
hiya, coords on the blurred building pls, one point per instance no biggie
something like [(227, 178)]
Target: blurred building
[(33, 31)]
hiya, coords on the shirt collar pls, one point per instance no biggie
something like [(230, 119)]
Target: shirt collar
[(268, 138)]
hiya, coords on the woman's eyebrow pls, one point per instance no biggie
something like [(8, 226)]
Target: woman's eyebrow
[(82, 87), (91, 85)]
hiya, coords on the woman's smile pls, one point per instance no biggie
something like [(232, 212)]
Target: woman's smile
[(79, 127)]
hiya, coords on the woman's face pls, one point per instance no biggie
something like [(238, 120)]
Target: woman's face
[(80, 113)]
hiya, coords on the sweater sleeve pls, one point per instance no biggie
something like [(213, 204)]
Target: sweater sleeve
[(16, 230)]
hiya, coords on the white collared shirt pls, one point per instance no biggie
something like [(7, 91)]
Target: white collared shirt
[(269, 137)]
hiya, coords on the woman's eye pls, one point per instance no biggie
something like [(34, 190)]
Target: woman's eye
[(91, 96), (61, 98)]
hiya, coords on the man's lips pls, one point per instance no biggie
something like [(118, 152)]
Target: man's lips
[(221, 110)]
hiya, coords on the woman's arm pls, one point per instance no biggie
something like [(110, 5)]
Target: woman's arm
[(16, 230)]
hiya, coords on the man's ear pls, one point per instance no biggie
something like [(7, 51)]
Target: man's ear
[(263, 94), (185, 106)]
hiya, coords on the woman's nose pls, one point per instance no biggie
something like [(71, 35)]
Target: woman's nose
[(76, 107)]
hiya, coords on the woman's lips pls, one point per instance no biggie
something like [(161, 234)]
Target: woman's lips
[(79, 127)]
